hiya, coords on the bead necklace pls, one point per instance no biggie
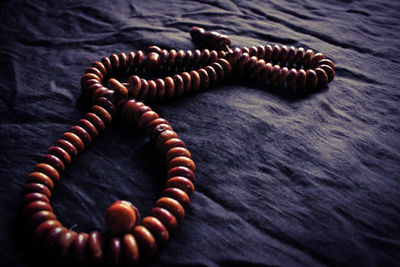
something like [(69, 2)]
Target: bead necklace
[(130, 239)]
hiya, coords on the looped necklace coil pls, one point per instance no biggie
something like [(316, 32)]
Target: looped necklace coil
[(129, 239)]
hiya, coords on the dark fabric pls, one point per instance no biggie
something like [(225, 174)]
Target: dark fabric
[(311, 181)]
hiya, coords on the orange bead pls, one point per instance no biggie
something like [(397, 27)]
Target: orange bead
[(146, 240), (121, 217), (156, 227), (130, 250), (177, 194), (95, 247), (65, 242), (177, 152), (36, 206), (44, 227), (182, 183), (118, 87), (74, 139), (41, 216), (38, 177), (102, 113), (182, 161), (48, 170), (171, 205), (165, 217)]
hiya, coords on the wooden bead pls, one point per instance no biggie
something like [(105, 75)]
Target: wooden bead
[(121, 217), (106, 104), (152, 62), (187, 82), (165, 217), (139, 59), (134, 85), (300, 56), (82, 134), (213, 56), (225, 65), (171, 59), (165, 136), (95, 247), (65, 243), (322, 77), (327, 62), (204, 79), (258, 68), (242, 61), (261, 52), (132, 108), (140, 111), (253, 51), (291, 56), (115, 63), (34, 196), (147, 243), (53, 235), (314, 62), (107, 64), (80, 249), (153, 48), (177, 194), (153, 124), (172, 206), (181, 171), (114, 251), (179, 85), (89, 76), (205, 57), (283, 54), (160, 88), (34, 207), (49, 170), (96, 121), (312, 80), (92, 88), (41, 178), (144, 89), (102, 113), (131, 61), (94, 71), (120, 89), (182, 183), (234, 56), (268, 53), (301, 79), (283, 76), (196, 58), (60, 153), (266, 72), (177, 152), (174, 142), (196, 82), (196, 33), (98, 65), (274, 74), (169, 87), (219, 70), (276, 52), (146, 118), (37, 188), (39, 216), (44, 227), (182, 161), (159, 129), (157, 229), (130, 250), (307, 58), (212, 74), (123, 61), (180, 55), (187, 61), (245, 50), (152, 90), (74, 139), (53, 161), (292, 79), (329, 71)]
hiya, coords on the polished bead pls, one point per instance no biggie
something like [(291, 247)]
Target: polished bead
[(219, 70), (152, 63), (152, 90), (196, 33), (74, 139), (177, 194), (131, 61), (130, 250), (147, 243), (291, 56), (139, 59), (174, 142), (213, 56), (164, 55), (107, 64), (322, 77), (283, 76), (172, 206), (165, 136), (274, 74), (182, 161), (253, 51), (114, 251), (95, 247), (153, 48), (307, 58), (80, 249), (89, 76), (169, 87), (102, 113), (283, 54), (43, 228), (312, 80), (300, 56), (90, 82), (276, 51), (160, 88), (245, 50), (157, 228), (268, 53), (171, 59), (180, 55), (53, 161), (187, 82), (36, 206), (182, 183), (165, 217), (179, 85), (31, 197), (98, 92), (65, 243), (225, 64), (121, 217), (242, 61), (132, 109), (153, 124), (49, 170), (106, 104), (329, 71), (53, 235), (266, 72), (258, 68), (118, 87), (327, 62), (292, 78), (123, 61), (234, 56), (92, 88), (187, 61), (40, 215), (159, 129), (98, 65), (177, 152), (134, 85), (196, 82), (204, 79), (250, 65), (96, 121), (36, 187), (114, 63), (205, 57), (146, 118), (196, 58), (314, 62), (82, 134), (60, 153), (301, 79), (41, 178), (261, 52), (144, 89), (95, 71), (181, 171)]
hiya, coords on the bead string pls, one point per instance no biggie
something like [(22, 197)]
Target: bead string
[(131, 239)]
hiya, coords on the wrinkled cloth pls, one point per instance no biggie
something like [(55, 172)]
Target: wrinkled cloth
[(310, 181)]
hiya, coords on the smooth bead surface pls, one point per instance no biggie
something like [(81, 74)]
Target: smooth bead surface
[(329, 71), (41, 178), (316, 59), (31, 197), (60, 153), (177, 152), (144, 90), (147, 243), (179, 85), (96, 121), (204, 79), (53, 161), (182, 161), (80, 248), (182, 183), (291, 78), (134, 85), (177, 194), (114, 251), (82, 134), (160, 88), (187, 82), (165, 136), (274, 74), (327, 62), (74, 139), (44, 227), (36, 206), (102, 113), (301, 79), (48, 170), (146, 118), (172, 206), (312, 80), (65, 242), (53, 235), (174, 142), (121, 217), (153, 124), (152, 63), (95, 247), (41, 216), (130, 250), (322, 77), (195, 77), (225, 65), (36, 187), (282, 76), (118, 87), (159, 129), (169, 87), (152, 90), (165, 217), (157, 228)]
